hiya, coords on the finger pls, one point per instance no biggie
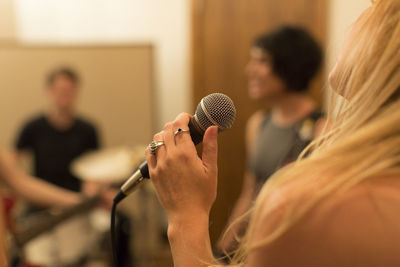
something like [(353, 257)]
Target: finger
[(168, 136), (182, 121), (210, 149), (151, 159), (161, 150)]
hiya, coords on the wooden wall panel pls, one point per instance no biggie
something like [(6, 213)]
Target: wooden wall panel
[(223, 31)]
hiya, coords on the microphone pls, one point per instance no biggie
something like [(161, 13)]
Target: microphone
[(213, 110)]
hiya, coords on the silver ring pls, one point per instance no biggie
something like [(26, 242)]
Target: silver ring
[(180, 130), (154, 145)]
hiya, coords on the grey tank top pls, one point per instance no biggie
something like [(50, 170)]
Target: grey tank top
[(276, 146)]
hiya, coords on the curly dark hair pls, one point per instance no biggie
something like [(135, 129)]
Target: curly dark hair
[(296, 56)]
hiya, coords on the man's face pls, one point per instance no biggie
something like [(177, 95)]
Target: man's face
[(63, 93)]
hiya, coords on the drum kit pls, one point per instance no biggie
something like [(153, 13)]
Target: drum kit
[(111, 165)]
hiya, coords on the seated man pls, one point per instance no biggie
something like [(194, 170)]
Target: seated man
[(56, 138)]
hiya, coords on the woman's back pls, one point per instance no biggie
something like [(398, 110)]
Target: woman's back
[(359, 227)]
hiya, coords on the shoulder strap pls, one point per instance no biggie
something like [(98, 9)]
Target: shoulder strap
[(316, 115), (304, 134), (306, 127)]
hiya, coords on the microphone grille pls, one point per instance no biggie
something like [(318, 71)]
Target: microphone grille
[(216, 109)]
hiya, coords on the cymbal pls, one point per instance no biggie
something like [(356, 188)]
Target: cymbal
[(108, 165)]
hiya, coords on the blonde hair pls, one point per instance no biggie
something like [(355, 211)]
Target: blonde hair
[(363, 139)]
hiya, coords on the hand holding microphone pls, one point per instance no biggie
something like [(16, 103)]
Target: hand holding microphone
[(213, 110), (183, 181)]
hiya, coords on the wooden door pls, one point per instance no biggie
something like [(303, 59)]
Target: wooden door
[(223, 31)]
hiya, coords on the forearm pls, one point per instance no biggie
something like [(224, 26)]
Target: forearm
[(235, 224), (42, 193), (33, 189), (190, 241), (3, 245)]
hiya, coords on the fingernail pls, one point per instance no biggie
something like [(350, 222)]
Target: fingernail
[(215, 130)]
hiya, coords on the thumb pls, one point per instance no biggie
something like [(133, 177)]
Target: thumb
[(210, 148)]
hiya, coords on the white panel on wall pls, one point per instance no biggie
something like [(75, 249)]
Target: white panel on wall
[(342, 13), (7, 29)]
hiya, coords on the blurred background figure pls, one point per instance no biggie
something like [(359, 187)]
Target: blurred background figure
[(56, 138), (59, 135), (282, 64)]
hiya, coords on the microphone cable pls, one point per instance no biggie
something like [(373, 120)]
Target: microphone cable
[(114, 242)]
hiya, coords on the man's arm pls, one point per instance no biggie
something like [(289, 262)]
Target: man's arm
[(3, 245), (31, 188)]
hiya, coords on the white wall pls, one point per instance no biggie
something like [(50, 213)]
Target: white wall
[(7, 29), (165, 24), (342, 13)]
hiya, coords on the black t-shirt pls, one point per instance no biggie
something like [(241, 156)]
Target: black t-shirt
[(54, 150)]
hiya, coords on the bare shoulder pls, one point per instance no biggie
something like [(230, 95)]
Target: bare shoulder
[(252, 126), (256, 118), (358, 227), (320, 124)]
